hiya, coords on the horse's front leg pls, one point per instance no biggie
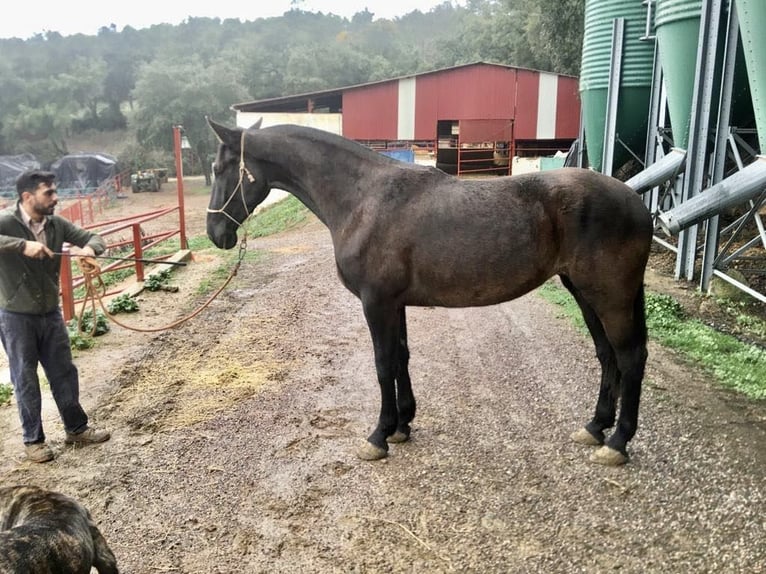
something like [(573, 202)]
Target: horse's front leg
[(383, 321), (405, 399)]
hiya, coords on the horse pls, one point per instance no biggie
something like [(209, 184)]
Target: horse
[(410, 235)]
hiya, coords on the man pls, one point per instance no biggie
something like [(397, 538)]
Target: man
[(32, 328)]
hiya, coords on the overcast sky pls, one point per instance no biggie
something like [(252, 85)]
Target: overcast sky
[(86, 17)]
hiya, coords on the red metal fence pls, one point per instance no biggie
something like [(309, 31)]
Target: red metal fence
[(126, 237)]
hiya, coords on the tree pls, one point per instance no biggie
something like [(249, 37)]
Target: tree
[(539, 34), (165, 75), (555, 33), (183, 92)]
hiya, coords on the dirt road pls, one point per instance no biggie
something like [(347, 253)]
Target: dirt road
[(234, 437)]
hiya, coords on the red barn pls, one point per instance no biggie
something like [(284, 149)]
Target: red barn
[(473, 117)]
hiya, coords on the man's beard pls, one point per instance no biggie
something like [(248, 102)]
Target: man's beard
[(40, 210)]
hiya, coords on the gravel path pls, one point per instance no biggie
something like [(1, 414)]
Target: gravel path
[(234, 438)]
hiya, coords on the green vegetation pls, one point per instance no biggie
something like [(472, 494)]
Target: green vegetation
[(6, 391), (738, 310), (157, 281), (123, 303), (80, 338), (733, 364), (109, 278), (138, 81), (275, 218), (282, 215)]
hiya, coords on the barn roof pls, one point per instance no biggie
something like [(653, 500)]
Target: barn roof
[(331, 98)]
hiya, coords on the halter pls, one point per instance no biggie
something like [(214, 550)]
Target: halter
[(250, 177)]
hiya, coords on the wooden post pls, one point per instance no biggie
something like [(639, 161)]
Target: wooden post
[(180, 183)]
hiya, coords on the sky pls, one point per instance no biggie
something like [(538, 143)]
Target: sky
[(86, 17)]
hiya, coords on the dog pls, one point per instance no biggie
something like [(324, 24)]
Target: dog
[(42, 532)]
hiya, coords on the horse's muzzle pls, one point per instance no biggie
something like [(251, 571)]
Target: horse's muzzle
[(220, 235)]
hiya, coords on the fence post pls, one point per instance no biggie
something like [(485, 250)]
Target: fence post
[(139, 250), (180, 183)]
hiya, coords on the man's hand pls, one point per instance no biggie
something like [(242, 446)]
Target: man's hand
[(37, 250), (86, 251)]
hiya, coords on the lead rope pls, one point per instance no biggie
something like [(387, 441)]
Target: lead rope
[(95, 289)]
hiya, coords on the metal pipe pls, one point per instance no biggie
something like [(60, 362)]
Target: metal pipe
[(613, 94), (738, 188), (659, 172)]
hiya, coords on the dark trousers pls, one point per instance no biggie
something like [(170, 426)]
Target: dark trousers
[(30, 340)]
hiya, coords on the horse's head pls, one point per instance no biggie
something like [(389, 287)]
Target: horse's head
[(239, 186)]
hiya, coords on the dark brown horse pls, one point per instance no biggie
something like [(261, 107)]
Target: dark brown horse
[(410, 235)]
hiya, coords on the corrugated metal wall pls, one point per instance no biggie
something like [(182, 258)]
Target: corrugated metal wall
[(527, 99), (371, 112), (541, 105), (568, 108)]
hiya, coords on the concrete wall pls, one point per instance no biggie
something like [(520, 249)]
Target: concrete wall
[(328, 122)]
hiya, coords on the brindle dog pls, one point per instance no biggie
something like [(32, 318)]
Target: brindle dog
[(42, 532)]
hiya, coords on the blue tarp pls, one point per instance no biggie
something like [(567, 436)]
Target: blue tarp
[(405, 155)]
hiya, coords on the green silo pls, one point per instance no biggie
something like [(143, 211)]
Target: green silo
[(752, 22), (677, 25), (636, 79)]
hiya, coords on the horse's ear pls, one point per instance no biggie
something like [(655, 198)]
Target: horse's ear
[(224, 134), (256, 125)]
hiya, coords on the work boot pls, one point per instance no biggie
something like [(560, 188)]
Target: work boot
[(38, 452), (88, 436)]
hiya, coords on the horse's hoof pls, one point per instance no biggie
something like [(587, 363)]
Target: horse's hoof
[(369, 451), (398, 437), (608, 457), (582, 436)]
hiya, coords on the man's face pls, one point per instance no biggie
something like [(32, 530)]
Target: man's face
[(44, 199)]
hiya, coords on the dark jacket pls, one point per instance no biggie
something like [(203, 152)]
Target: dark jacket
[(32, 285)]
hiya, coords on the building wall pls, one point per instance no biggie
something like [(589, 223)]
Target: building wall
[(527, 101), (327, 122), (568, 108), (405, 129), (540, 106), (547, 98), (476, 92), (371, 112)]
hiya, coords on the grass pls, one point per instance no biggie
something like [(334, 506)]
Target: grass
[(274, 218), (732, 363), (6, 391)]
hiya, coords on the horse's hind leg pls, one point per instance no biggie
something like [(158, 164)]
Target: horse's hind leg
[(405, 399), (606, 407), (628, 335)]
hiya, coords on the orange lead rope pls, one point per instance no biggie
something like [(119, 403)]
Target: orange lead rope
[(95, 289)]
